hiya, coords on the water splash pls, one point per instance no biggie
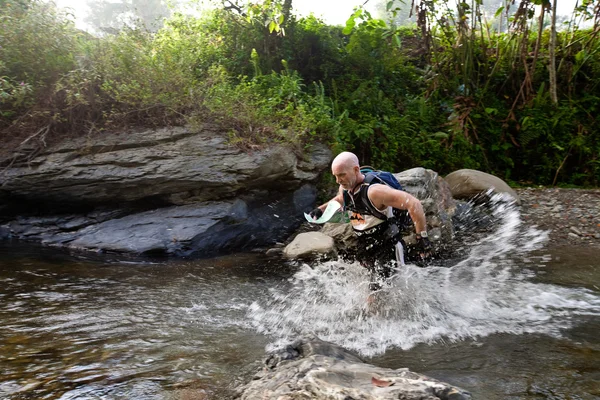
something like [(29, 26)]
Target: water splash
[(489, 291)]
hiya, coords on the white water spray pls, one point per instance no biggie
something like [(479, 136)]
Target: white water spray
[(487, 292)]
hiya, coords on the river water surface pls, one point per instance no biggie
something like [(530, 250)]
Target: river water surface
[(509, 319)]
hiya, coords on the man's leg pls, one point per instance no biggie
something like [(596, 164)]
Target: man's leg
[(386, 256)]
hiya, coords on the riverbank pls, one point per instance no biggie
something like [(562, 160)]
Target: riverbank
[(572, 216)]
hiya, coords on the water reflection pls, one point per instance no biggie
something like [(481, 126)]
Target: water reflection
[(74, 329)]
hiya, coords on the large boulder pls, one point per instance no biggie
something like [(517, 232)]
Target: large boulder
[(313, 369), (171, 166), (166, 191), (467, 184), (438, 203)]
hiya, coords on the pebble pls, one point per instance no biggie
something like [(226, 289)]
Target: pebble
[(571, 234)]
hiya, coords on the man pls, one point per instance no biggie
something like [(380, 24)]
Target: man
[(378, 214)]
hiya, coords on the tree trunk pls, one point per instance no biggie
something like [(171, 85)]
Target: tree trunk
[(286, 11), (536, 51), (552, 51)]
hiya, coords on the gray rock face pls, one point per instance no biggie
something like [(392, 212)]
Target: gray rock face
[(312, 369), (436, 198), (169, 191), (175, 165), (469, 183)]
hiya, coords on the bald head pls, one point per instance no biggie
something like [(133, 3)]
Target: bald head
[(346, 160), (346, 169)]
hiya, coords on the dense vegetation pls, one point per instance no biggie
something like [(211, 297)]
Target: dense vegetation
[(453, 90)]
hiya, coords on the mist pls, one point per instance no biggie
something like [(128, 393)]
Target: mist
[(334, 12)]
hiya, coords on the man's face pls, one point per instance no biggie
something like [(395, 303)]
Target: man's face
[(344, 175)]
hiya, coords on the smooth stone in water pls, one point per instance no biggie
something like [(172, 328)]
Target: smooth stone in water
[(309, 244)]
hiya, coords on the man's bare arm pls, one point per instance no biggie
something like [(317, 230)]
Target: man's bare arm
[(384, 196)]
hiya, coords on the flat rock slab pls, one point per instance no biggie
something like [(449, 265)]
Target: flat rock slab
[(312, 369), (176, 165), (202, 229)]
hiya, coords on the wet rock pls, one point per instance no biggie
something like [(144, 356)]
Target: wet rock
[(167, 191), (467, 184), (436, 197), (4, 232), (274, 252), (205, 228), (313, 369), (309, 244)]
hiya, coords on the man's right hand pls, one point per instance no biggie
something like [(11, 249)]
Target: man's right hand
[(316, 213), (423, 247)]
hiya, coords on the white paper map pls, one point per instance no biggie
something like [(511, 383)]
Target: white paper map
[(332, 207)]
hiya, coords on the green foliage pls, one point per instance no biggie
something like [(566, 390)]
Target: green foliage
[(268, 108), (446, 93), (37, 46)]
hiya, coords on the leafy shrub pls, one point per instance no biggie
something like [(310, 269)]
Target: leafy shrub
[(273, 107), (37, 46)]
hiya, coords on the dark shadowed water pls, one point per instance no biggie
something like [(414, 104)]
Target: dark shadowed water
[(512, 319)]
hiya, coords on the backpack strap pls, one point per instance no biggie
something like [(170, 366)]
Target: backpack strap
[(364, 194)]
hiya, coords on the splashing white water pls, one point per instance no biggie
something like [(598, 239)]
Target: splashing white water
[(487, 292)]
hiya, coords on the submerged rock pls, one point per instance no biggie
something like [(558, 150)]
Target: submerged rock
[(313, 369)]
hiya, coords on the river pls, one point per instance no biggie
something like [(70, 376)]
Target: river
[(512, 318)]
